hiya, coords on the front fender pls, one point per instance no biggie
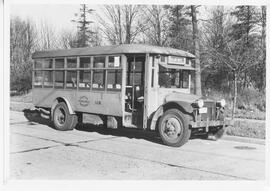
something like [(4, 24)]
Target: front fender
[(184, 107)]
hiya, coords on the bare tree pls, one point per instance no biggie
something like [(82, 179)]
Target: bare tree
[(22, 45), (158, 22), (68, 39), (122, 23), (47, 38)]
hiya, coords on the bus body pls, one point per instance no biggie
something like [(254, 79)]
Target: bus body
[(130, 85)]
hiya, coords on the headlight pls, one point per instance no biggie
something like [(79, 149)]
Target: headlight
[(200, 103), (221, 103)]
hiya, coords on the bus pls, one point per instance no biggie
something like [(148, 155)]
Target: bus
[(128, 86)]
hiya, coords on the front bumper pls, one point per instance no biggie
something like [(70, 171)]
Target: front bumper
[(199, 124)]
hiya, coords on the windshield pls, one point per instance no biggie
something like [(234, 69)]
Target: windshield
[(173, 78)]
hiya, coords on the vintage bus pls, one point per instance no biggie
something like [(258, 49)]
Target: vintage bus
[(129, 85)]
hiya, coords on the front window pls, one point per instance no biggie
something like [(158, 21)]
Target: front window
[(173, 78)]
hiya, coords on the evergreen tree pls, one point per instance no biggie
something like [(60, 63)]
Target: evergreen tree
[(179, 30), (85, 34)]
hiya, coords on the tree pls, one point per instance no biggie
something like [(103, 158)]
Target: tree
[(22, 45), (122, 23), (68, 39), (85, 34), (244, 28), (179, 31), (46, 37), (158, 22), (195, 33), (214, 35)]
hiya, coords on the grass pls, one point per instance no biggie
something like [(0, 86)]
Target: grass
[(26, 98), (247, 128), (250, 104)]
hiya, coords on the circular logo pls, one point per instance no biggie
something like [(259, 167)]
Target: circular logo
[(84, 101)]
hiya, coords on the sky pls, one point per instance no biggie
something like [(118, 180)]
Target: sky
[(57, 15)]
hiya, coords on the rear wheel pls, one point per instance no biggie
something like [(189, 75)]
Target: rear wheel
[(173, 128), (62, 119)]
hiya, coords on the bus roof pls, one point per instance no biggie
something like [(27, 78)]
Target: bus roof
[(115, 49)]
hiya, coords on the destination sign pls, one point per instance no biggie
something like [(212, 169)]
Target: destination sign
[(176, 60)]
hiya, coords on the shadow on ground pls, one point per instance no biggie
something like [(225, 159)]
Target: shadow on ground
[(43, 118)]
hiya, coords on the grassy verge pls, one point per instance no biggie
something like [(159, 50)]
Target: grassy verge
[(26, 98), (247, 128)]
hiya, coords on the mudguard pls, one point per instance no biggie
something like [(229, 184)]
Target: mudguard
[(185, 107), (57, 100)]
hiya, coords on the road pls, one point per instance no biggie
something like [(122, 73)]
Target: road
[(37, 151)]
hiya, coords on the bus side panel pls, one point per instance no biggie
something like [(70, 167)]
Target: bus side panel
[(44, 97), (106, 103)]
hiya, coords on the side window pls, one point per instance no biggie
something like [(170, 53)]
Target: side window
[(99, 62), (59, 79), (99, 79), (38, 78), (59, 63), (114, 80), (48, 63), (71, 62), (99, 74), (38, 63), (85, 62), (71, 80), (114, 62), (85, 80), (185, 75), (48, 78)]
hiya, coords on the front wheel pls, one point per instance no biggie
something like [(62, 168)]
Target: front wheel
[(62, 119), (173, 128)]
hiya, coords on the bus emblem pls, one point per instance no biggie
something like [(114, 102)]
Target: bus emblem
[(84, 101)]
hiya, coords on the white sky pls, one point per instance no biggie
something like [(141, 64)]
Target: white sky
[(57, 15)]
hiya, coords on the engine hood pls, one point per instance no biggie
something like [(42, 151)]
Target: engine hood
[(183, 97)]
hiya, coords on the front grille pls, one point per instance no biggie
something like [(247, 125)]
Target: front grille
[(211, 112)]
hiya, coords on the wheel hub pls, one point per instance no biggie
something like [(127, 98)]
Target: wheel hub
[(172, 127), (60, 116)]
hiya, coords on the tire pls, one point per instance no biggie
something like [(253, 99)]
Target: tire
[(62, 119), (173, 128)]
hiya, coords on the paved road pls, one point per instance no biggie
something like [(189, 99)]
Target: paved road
[(37, 151)]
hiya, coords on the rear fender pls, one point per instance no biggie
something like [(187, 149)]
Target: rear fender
[(61, 99)]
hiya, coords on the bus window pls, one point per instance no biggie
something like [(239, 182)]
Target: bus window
[(38, 79), (48, 78), (71, 62), (98, 79), (185, 75), (48, 63), (38, 63), (85, 80), (85, 62), (99, 62), (137, 69), (114, 62), (71, 79), (114, 80), (59, 79), (59, 63), (173, 78)]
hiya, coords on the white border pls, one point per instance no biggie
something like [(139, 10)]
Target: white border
[(123, 185)]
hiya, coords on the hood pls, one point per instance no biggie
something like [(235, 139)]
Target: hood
[(184, 97)]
